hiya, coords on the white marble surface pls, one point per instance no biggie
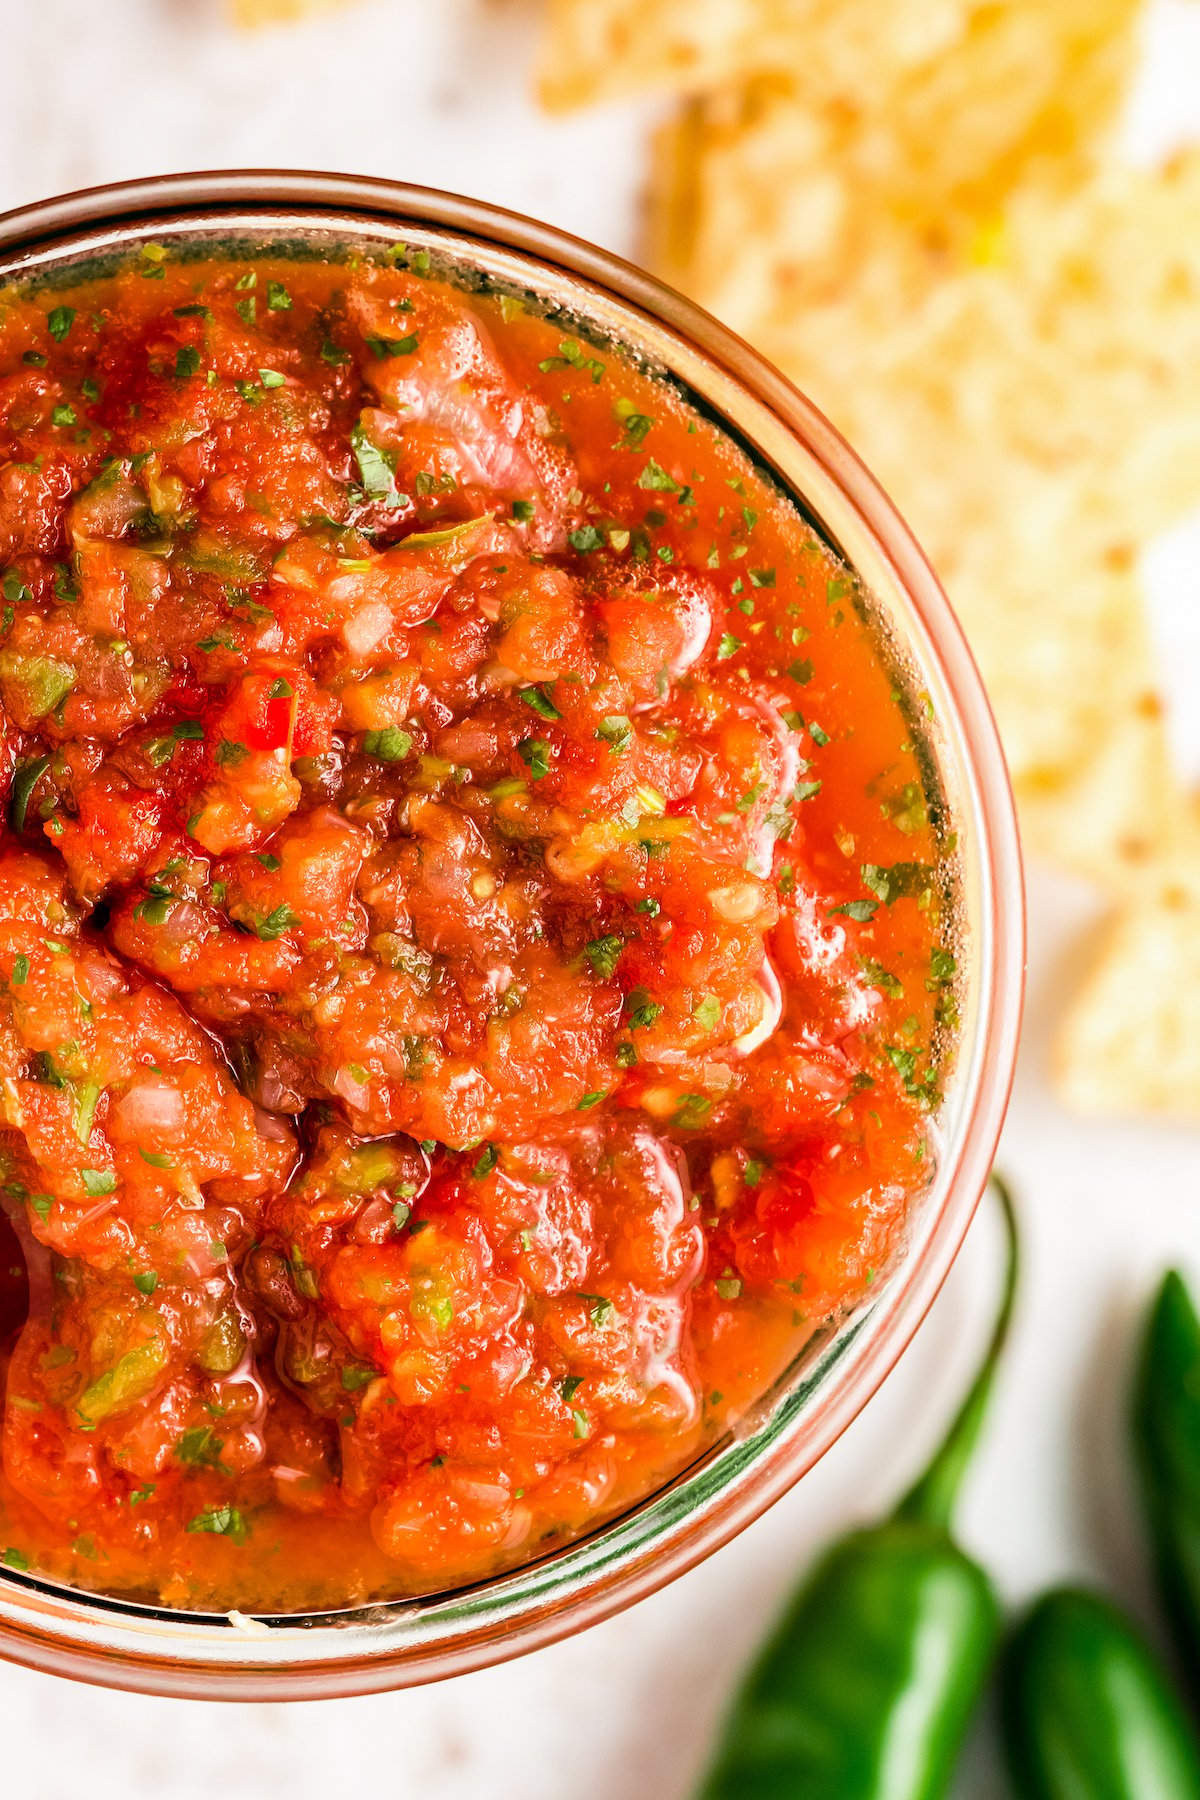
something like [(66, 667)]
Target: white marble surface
[(95, 90)]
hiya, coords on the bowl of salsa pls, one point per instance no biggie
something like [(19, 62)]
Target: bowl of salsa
[(510, 935)]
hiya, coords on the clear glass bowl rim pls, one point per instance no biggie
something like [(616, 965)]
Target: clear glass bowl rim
[(155, 1651)]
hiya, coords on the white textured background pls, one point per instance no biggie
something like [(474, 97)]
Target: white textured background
[(436, 91)]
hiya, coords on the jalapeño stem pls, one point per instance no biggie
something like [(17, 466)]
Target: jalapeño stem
[(930, 1501)]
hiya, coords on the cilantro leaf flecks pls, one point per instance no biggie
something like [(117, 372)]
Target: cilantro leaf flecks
[(888, 884)]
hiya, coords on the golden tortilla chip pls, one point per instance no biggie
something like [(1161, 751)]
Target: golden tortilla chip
[(1074, 688), (1131, 1042), (770, 200), (605, 49), (1064, 648), (1110, 814), (1070, 358), (1061, 58), (1031, 398)]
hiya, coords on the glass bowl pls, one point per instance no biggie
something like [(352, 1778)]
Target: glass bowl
[(366, 1649)]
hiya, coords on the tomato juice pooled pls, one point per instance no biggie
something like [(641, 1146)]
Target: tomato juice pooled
[(474, 968)]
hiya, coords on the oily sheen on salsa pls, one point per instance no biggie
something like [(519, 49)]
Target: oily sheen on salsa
[(473, 955)]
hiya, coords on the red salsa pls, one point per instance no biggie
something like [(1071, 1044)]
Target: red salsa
[(473, 939)]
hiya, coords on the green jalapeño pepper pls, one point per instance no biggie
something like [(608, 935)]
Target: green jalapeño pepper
[(1166, 1424), (1088, 1712), (866, 1689)]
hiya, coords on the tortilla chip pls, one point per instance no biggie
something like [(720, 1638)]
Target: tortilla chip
[(1131, 1042), (1074, 688), (1064, 57), (1030, 398), (606, 49), (1111, 813)]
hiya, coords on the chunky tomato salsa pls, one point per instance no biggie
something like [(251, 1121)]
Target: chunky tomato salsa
[(474, 969)]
